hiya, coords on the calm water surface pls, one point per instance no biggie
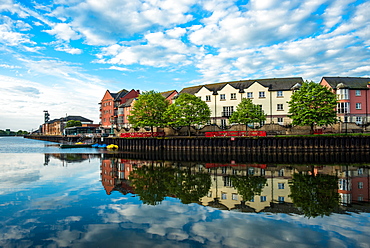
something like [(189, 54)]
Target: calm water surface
[(52, 197)]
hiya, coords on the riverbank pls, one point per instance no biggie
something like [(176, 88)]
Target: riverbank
[(346, 143)]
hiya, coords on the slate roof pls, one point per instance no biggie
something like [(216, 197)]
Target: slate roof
[(274, 84), (127, 103), (351, 82), (117, 96), (167, 93), (75, 118)]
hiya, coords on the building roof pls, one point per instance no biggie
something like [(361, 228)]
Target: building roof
[(166, 94), (350, 82), (274, 84), (117, 96), (127, 103), (75, 118)]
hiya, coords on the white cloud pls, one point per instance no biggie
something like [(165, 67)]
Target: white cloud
[(64, 32)]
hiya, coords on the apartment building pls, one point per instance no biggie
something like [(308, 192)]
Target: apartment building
[(353, 97), (110, 116), (271, 95)]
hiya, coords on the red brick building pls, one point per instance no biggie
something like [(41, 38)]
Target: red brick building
[(353, 98)]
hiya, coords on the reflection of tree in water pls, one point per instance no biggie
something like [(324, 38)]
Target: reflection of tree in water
[(248, 186), (153, 184), (315, 195)]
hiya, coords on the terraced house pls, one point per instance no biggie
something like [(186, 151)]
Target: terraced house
[(353, 98), (271, 95)]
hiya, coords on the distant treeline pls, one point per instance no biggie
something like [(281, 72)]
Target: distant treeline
[(7, 132)]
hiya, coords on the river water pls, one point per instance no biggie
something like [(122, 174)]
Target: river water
[(85, 197)]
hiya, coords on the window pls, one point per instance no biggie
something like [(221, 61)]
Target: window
[(360, 198), (343, 107), (261, 94), (280, 120), (233, 96), (360, 185), (281, 173), (249, 94), (263, 198), (358, 105), (263, 172), (209, 194), (222, 97), (227, 111), (279, 107), (234, 196), (358, 119), (208, 98), (279, 93), (342, 94), (223, 122), (280, 185), (358, 92), (360, 171), (281, 199), (223, 196)]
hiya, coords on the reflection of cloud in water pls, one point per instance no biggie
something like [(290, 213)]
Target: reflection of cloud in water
[(26, 171), (214, 228)]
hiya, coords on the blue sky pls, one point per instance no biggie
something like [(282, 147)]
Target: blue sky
[(63, 55)]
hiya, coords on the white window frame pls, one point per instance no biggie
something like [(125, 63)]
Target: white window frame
[(343, 108), (279, 106), (343, 94), (358, 105), (358, 119), (358, 93), (263, 198), (222, 97), (280, 120), (261, 94), (233, 96), (208, 98), (279, 93), (281, 186), (249, 94)]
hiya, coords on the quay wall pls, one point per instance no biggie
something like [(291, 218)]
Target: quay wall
[(232, 144)]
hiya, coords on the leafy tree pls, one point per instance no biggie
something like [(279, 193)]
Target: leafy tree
[(73, 123), (148, 110), (248, 186), (150, 183), (188, 110), (247, 113), (315, 195), (313, 104), (189, 187)]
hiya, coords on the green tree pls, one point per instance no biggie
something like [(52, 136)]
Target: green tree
[(313, 104), (188, 110), (150, 183), (73, 123), (315, 195), (189, 187), (148, 110), (248, 186), (247, 113)]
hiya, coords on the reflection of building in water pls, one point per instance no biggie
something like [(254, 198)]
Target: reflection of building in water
[(354, 184), (69, 157), (275, 191), (115, 173), (274, 196)]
